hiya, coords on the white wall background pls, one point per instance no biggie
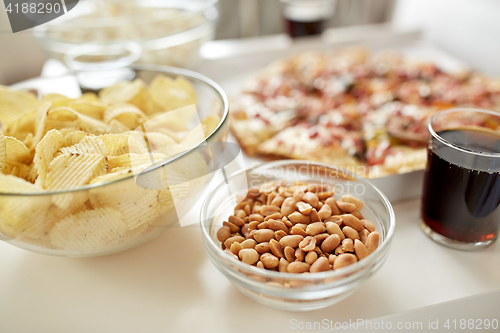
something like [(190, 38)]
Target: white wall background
[(468, 29)]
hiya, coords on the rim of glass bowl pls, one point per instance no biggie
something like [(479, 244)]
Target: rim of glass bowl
[(452, 145), (154, 43), (315, 276), (165, 69)]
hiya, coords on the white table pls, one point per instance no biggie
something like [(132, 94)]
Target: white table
[(170, 285)]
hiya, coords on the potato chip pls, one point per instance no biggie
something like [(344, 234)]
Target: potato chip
[(45, 152), (3, 153), (168, 94), (93, 109), (88, 230), (22, 215), (162, 143), (23, 126), (40, 122), (138, 205), (14, 103), (57, 100), (17, 169), (128, 114), (89, 96), (16, 150), (116, 126), (209, 124), (134, 92), (73, 137), (134, 160), (70, 171), (88, 145), (119, 144), (65, 117)]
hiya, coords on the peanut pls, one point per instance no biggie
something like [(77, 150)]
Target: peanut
[(344, 260), (352, 221), (333, 228), (297, 217), (245, 231), (350, 233), (249, 244), (303, 207), (262, 248), (325, 195), (236, 221), (255, 217), (291, 240), (275, 216), (253, 225), (260, 265), (357, 214), (269, 209), (362, 235), (240, 214), (288, 207), (298, 231), (333, 205), (263, 235), (320, 238), (372, 241), (307, 244), (297, 195), (360, 250), (368, 225), (276, 248), (278, 201), (236, 248), (299, 254), (231, 254), (223, 234), (249, 256), (314, 216), (331, 258), (282, 267), (348, 245), (330, 243), (346, 206), (338, 250), (279, 234), (233, 239), (320, 265), (311, 198), (352, 199), (231, 226), (276, 225), (269, 260), (270, 197), (325, 212), (311, 257), (289, 253), (315, 228), (298, 267), (263, 225)]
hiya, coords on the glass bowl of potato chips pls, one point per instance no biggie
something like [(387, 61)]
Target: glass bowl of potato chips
[(109, 169)]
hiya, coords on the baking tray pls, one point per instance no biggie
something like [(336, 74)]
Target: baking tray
[(230, 72)]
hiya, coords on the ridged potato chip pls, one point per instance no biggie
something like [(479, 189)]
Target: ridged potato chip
[(170, 94), (22, 215), (94, 109), (134, 160), (14, 103), (3, 153), (134, 92), (116, 126), (57, 100), (128, 114), (72, 137), (70, 171), (119, 144), (16, 150), (23, 126), (45, 152), (88, 230), (88, 145)]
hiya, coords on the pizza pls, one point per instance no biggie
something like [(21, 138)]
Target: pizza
[(367, 112)]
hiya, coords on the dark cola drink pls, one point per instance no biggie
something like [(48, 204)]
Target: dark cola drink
[(307, 17), (300, 28), (461, 192)]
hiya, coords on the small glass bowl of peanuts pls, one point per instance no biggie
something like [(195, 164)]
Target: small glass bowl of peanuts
[(297, 235)]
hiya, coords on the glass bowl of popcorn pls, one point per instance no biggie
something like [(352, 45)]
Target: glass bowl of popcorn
[(108, 169), (297, 235), (169, 32)]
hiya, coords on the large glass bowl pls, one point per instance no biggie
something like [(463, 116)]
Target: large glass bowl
[(296, 292), (169, 32), (37, 213)]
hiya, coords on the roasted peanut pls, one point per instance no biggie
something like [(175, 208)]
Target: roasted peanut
[(344, 260), (276, 248), (260, 265), (262, 248), (241, 205), (301, 226), (350, 233), (368, 225), (346, 206), (247, 209), (231, 254), (289, 253), (304, 207), (325, 195), (262, 225), (279, 234), (360, 250), (275, 216), (311, 257), (362, 235), (307, 244), (286, 221), (254, 225), (330, 243), (319, 265), (372, 241), (291, 240), (333, 205), (223, 234), (256, 208), (315, 228), (236, 221), (313, 215), (299, 255), (233, 239), (288, 207), (240, 214), (320, 238), (270, 198), (236, 248), (297, 217), (298, 267), (269, 209), (269, 260), (282, 267), (255, 217), (352, 199), (245, 231), (298, 231), (331, 258), (253, 192), (311, 198), (263, 235), (348, 245), (333, 228), (325, 212), (249, 244), (249, 256), (276, 225), (278, 201), (352, 221), (297, 195), (357, 214), (338, 250)]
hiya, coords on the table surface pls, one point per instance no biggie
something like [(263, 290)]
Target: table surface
[(170, 285)]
